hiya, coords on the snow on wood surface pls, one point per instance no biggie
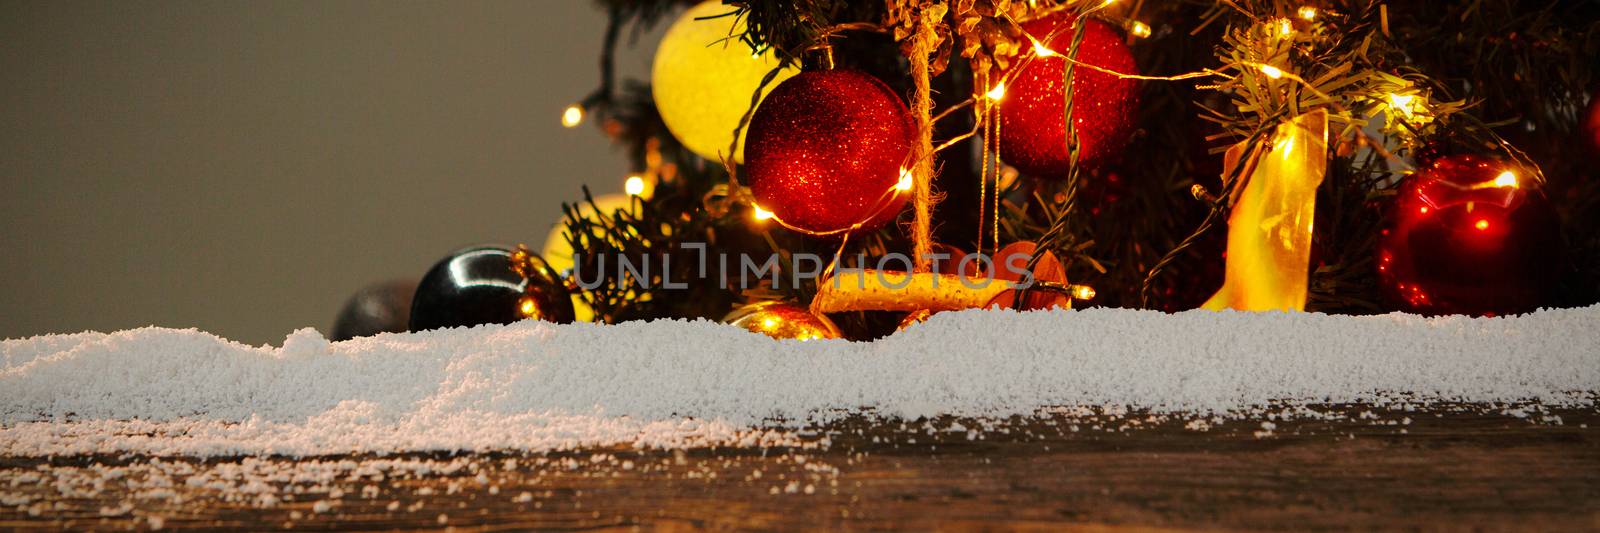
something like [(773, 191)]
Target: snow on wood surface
[(539, 386)]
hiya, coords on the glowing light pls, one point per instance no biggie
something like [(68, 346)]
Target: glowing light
[(761, 214), (1402, 102), (1140, 29), (1423, 210), (998, 92), (1506, 179), (1411, 107), (1308, 13), (1285, 28), (1271, 71), (1081, 292), (573, 116), (1039, 49), (905, 181), (634, 186), (1482, 224), (528, 308)]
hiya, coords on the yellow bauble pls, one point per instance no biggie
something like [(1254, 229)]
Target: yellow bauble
[(783, 320), (704, 76), (558, 252)]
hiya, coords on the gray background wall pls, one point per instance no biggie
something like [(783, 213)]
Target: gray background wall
[(242, 167)]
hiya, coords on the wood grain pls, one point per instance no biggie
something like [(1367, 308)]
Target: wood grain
[(1442, 468)]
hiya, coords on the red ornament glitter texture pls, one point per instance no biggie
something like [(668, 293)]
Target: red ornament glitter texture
[(1468, 236), (1032, 131), (825, 147)]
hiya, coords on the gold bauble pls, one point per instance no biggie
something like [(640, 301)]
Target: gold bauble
[(558, 252), (704, 76), (783, 320)]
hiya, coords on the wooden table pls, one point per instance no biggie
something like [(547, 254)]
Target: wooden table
[(1445, 467)]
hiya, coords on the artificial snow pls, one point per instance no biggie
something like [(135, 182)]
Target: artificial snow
[(539, 386)]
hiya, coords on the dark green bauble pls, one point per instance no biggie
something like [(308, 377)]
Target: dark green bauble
[(489, 285)]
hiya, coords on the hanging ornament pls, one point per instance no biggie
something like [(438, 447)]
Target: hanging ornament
[(783, 320), (1468, 235), (1032, 107), (489, 285), (703, 78), (1269, 231), (828, 151)]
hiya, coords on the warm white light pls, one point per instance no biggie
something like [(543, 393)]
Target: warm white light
[(1271, 71), (998, 92), (634, 186), (1506, 179), (1140, 29), (573, 116), (1039, 49), (1401, 102), (1408, 105), (905, 181), (1308, 13), (761, 214), (1285, 28)]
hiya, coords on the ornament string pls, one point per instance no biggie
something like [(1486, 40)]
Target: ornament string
[(983, 113), (994, 213), (923, 44)]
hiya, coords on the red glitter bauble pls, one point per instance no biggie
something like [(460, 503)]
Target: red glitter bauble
[(1032, 130), (1469, 236), (825, 151)]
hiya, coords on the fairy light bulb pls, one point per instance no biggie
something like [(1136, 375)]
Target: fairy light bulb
[(572, 116), (905, 181), (1039, 49), (1081, 292), (1140, 29), (1402, 103), (1285, 28), (998, 92), (528, 307), (1271, 71), (761, 214), (634, 186), (1506, 179), (1308, 13)]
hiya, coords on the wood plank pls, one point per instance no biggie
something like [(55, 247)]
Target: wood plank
[(1445, 467)]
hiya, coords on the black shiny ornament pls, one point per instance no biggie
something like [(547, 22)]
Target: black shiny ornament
[(383, 307), (489, 285)]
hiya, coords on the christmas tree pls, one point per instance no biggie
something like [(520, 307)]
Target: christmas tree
[(1349, 157)]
